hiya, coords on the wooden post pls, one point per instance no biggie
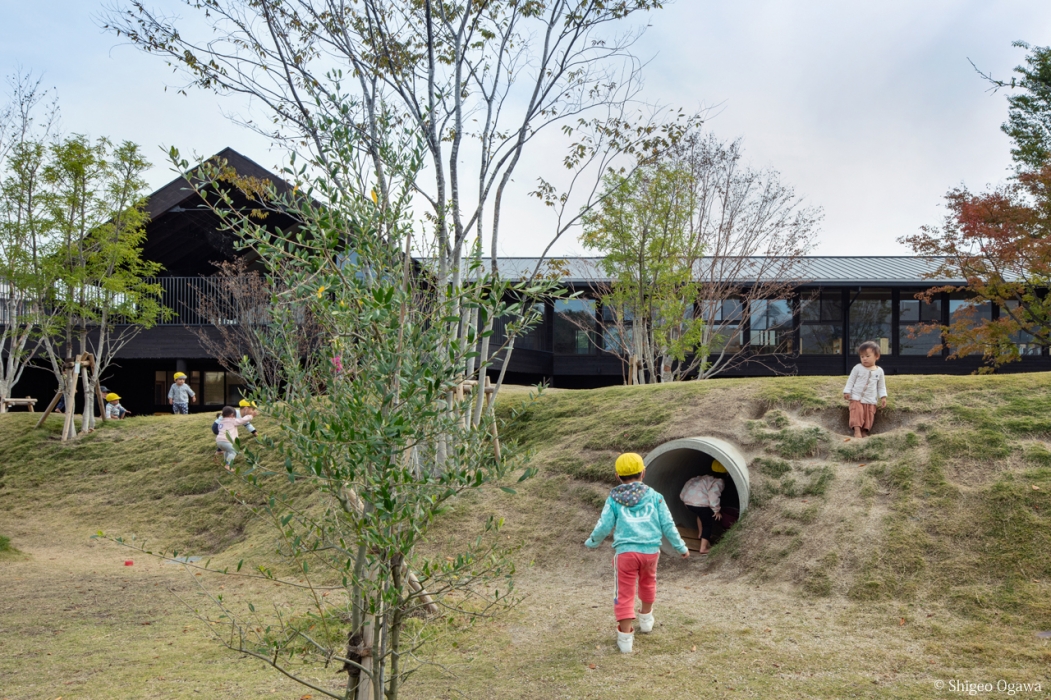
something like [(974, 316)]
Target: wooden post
[(84, 424), (72, 371), (490, 390), (50, 408), (102, 403), (459, 394)]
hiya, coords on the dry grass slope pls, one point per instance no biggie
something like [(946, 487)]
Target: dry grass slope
[(864, 568)]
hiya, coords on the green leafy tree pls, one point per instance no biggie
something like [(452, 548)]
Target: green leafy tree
[(643, 227), (24, 283), (1029, 109), (694, 246), (101, 299), (377, 438)]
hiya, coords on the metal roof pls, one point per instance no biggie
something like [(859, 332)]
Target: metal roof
[(859, 270)]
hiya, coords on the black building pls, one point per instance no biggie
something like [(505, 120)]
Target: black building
[(843, 301)]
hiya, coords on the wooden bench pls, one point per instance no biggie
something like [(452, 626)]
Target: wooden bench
[(28, 402)]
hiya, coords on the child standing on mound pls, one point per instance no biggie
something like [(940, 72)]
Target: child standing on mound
[(638, 517), (180, 395), (866, 386)]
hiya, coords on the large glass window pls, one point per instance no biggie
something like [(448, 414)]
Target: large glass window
[(1022, 339), (617, 326), (533, 339), (771, 328), (821, 323), (918, 323), (722, 318), (971, 313), (574, 326), (871, 315), (214, 388)]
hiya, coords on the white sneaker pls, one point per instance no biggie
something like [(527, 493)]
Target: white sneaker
[(625, 641), (646, 622)]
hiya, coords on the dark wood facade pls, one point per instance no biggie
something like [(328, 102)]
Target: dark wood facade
[(186, 238)]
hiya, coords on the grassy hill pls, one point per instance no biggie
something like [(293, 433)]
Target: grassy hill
[(864, 567)]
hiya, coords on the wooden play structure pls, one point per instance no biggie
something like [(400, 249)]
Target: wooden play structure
[(74, 368), (29, 402)]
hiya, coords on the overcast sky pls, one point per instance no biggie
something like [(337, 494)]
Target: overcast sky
[(869, 110)]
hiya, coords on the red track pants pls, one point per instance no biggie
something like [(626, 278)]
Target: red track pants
[(633, 571)]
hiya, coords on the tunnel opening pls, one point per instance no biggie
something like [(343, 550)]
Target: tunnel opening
[(671, 465)]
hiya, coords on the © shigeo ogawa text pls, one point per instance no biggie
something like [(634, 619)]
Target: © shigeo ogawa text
[(963, 687)]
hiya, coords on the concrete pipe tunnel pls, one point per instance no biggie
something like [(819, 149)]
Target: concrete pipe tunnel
[(671, 465)]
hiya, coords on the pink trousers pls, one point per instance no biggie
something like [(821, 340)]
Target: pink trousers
[(634, 571)]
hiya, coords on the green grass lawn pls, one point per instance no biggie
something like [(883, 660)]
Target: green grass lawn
[(871, 568)]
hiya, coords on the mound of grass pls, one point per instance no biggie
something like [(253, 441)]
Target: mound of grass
[(791, 443), (805, 395), (5, 545), (775, 468), (947, 514), (151, 476), (577, 468), (614, 419), (981, 444)]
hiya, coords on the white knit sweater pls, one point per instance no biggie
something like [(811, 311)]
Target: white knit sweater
[(866, 385)]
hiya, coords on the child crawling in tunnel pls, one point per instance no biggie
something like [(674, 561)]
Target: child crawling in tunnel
[(638, 517), (702, 495)]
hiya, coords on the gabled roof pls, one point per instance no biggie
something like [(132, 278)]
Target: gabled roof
[(185, 236), (178, 190), (859, 270)]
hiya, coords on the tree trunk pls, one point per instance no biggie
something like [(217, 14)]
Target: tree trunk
[(87, 416), (69, 390), (368, 637)]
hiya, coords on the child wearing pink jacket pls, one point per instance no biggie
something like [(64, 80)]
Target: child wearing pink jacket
[(224, 441)]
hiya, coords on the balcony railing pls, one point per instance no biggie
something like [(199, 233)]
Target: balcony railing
[(186, 296)]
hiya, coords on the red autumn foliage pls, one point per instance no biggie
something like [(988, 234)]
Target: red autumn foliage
[(1000, 243)]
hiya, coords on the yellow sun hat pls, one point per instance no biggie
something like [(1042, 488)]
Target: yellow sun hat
[(718, 467), (245, 403), (629, 464), (112, 397), (180, 375)]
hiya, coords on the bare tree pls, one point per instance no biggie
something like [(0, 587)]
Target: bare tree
[(754, 231), (248, 317), (473, 84)]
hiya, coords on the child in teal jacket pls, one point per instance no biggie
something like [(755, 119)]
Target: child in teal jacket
[(639, 518)]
